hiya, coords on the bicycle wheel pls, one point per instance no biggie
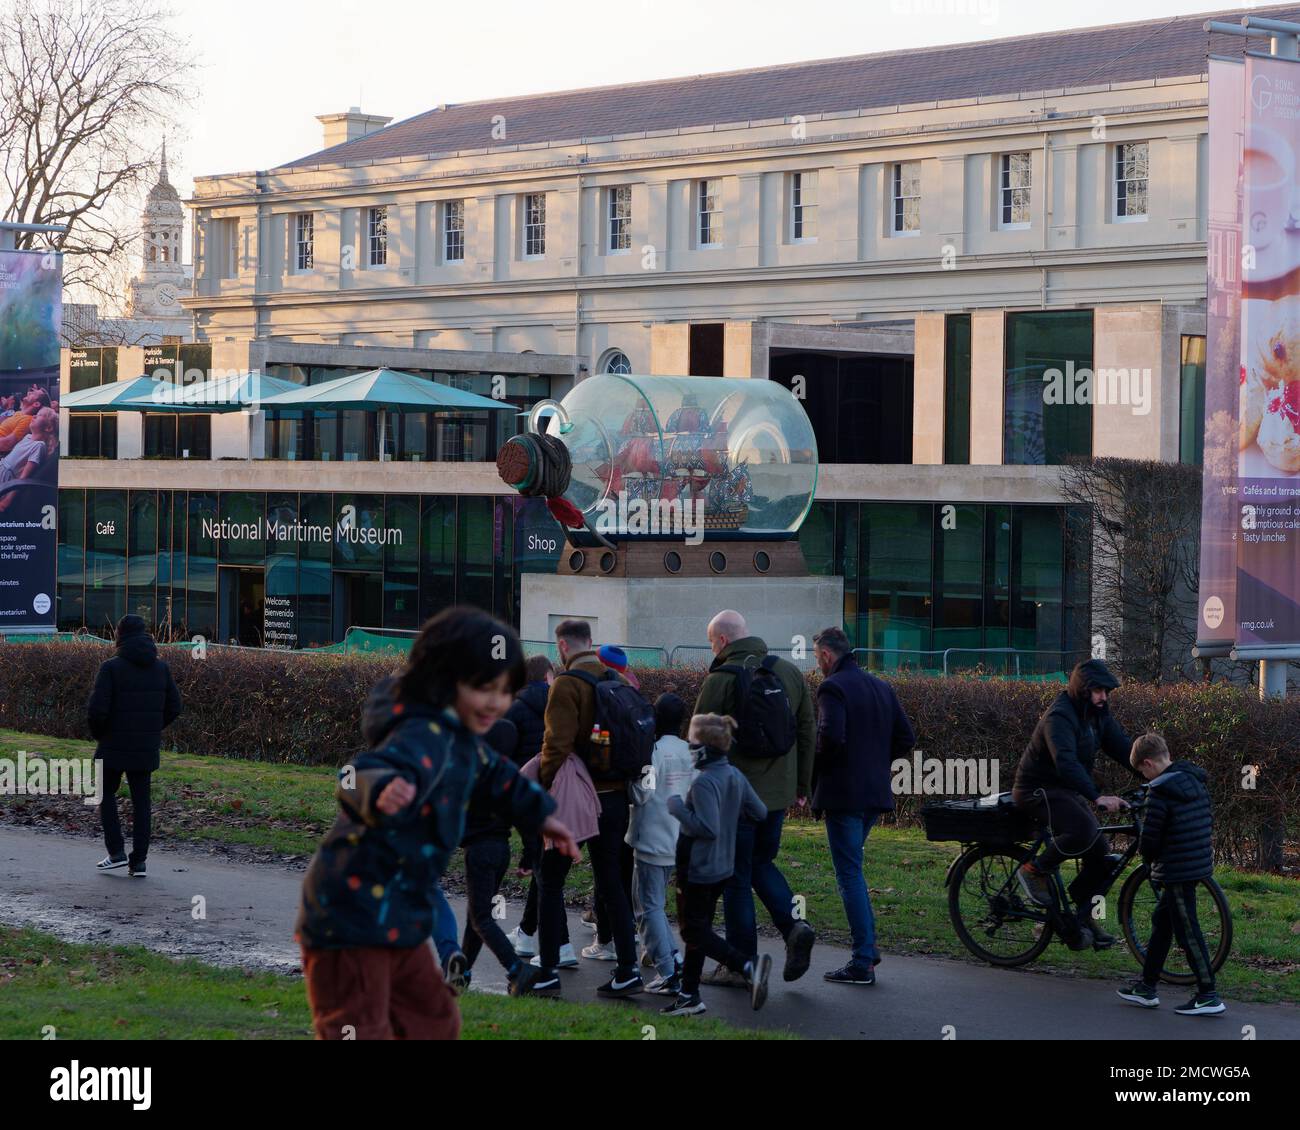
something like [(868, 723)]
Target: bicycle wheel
[(1137, 901), (989, 911)]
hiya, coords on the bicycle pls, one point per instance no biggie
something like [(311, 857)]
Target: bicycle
[(999, 924)]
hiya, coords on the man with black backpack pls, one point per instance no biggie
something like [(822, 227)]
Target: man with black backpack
[(593, 713), (775, 740)]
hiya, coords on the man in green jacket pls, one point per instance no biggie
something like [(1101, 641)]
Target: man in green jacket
[(779, 782)]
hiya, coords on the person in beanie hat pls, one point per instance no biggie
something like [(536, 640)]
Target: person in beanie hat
[(615, 658), (133, 701), (1054, 784)]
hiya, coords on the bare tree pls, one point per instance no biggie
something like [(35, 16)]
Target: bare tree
[(1146, 520), (87, 88)]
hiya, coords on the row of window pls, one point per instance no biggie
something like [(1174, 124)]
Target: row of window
[(1015, 208)]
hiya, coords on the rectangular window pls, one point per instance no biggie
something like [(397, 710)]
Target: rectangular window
[(1017, 176), (377, 236), (534, 225), (225, 248), (1131, 180), (956, 389), (803, 206), (305, 241), (709, 208), (620, 218), (907, 198), (453, 231), (1046, 420), (1191, 402)]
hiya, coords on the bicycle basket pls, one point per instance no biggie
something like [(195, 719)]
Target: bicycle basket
[(972, 820)]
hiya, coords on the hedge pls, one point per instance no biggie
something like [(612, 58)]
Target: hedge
[(305, 709)]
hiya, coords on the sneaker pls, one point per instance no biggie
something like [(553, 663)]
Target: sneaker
[(598, 952), (547, 981), (798, 951), (457, 973), (618, 986), (524, 978), (1035, 884), (665, 986), (757, 973), (111, 863), (725, 978), (1139, 993), (568, 959), (136, 870), (525, 944), (684, 1005), (851, 975), (1203, 1004)]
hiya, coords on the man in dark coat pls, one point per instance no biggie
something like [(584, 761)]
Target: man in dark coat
[(134, 700), (861, 730), (1054, 785)]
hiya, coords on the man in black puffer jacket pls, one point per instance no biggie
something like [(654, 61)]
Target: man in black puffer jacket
[(134, 700), (528, 711), (1177, 842), (1054, 785)]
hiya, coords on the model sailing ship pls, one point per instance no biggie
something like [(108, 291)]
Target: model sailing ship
[(689, 460)]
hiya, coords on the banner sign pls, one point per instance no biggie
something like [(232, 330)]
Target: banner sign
[(31, 299), (1216, 628), (1268, 501)]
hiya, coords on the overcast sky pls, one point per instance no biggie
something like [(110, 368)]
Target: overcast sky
[(268, 67)]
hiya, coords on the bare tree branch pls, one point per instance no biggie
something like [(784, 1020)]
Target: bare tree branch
[(87, 88)]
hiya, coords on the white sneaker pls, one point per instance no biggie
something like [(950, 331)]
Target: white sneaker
[(568, 959), (597, 952), (525, 944)]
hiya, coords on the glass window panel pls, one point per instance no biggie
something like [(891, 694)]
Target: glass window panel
[(437, 554), (1191, 403), (1045, 353), (897, 596), (474, 546), (142, 555), (959, 580), (1037, 582), (243, 512), (956, 388), (201, 572)]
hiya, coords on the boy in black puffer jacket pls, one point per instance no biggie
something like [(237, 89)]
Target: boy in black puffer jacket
[(1176, 843)]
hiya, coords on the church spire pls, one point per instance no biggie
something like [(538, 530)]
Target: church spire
[(162, 169)]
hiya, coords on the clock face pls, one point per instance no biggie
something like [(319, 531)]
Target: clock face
[(166, 295)]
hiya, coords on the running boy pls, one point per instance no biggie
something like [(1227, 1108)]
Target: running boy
[(367, 899), (1176, 842)]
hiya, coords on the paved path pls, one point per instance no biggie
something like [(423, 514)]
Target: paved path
[(48, 881)]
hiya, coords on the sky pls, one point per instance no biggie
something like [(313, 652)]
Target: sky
[(266, 68)]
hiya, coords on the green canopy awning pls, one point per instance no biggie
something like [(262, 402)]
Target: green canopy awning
[(384, 390), (116, 396)]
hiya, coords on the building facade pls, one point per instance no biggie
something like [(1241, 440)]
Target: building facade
[(930, 248)]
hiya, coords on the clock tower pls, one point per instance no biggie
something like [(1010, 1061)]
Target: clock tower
[(163, 278)]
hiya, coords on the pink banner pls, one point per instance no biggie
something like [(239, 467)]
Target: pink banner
[(1268, 522)]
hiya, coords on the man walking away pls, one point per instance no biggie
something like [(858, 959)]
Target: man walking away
[(775, 740), (861, 730), (134, 700), (570, 719)]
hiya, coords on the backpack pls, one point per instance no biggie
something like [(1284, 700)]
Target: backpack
[(765, 723), (630, 720)]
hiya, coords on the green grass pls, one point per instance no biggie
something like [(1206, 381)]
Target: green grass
[(284, 809), (89, 992)]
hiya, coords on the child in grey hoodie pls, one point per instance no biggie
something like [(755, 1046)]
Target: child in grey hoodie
[(706, 855), (652, 834)]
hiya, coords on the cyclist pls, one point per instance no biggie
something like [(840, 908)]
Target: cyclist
[(1054, 785)]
